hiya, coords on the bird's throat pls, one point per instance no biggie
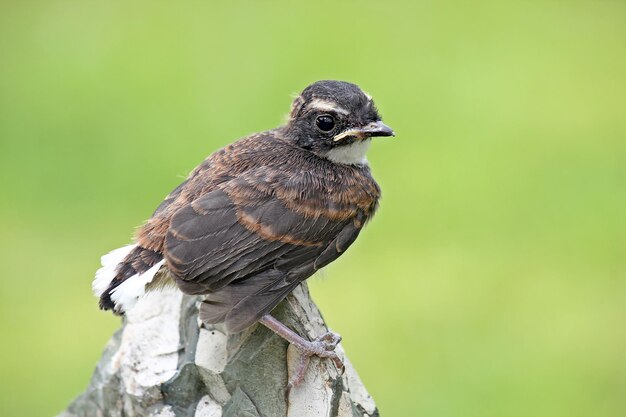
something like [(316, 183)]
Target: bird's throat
[(352, 154)]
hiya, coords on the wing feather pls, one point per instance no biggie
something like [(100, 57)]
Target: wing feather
[(247, 249)]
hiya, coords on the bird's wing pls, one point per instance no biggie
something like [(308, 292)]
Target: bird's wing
[(244, 302), (247, 246), (245, 226)]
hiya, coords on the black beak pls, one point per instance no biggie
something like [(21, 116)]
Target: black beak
[(377, 129), (373, 129)]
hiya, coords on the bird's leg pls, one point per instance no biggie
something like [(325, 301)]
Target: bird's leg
[(323, 346), (298, 376)]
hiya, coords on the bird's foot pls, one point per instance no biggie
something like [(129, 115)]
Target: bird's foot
[(323, 347)]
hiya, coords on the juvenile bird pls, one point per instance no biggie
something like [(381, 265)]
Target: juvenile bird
[(260, 216)]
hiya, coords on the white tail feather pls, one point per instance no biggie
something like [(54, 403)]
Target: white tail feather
[(109, 262), (126, 294)]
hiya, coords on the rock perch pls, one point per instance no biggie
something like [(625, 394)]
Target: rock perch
[(164, 363)]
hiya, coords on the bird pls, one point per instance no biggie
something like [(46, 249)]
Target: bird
[(258, 217)]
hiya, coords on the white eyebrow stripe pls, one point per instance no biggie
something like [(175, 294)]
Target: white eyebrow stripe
[(325, 105)]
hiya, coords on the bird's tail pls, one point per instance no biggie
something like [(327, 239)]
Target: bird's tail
[(125, 276)]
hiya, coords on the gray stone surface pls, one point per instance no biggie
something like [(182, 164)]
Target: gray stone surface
[(164, 363)]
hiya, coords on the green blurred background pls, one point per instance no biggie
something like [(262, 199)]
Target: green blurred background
[(492, 281)]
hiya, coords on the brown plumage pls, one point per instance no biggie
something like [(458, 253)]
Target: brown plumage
[(261, 215)]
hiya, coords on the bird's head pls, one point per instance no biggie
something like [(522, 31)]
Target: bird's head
[(335, 120)]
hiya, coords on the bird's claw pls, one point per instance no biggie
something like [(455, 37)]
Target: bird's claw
[(323, 347), (330, 339)]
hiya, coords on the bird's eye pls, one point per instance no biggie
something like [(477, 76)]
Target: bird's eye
[(325, 123)]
